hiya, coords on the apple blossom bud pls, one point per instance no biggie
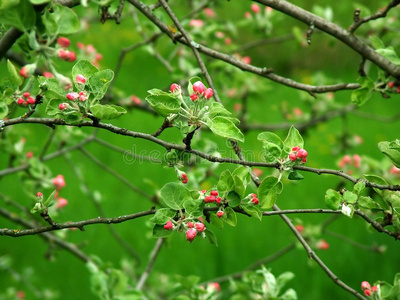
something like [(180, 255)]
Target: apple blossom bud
[(72, 96), (29, 155), (82, 96), (80, 79), (322, 245), (31, 100), (196, 23), (61, 202), (191, 234), (27, 70), (26, 94), (209, 12), (391, 84), (71, 56), (255, 8), (220, 214), (218, 200), (302, 154), (208, 93), (39, 195), (214, 193), (255, 201), (194, 97), (367, 293), (184, 178), (59, 182), (62, 106), (20, 101), (175, 88), (48, 75), (21, 295), (292, 156), (63, 42), (247, 15), (246, 60), (169, 225), (198, 87), (190, 225), (214, 287), (299, 228), (63, 54), (357, 160), (295, 149), (374, 288), (365, 285), (200, 226), (209, 199)]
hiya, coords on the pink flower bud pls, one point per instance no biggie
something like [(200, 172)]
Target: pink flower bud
[(80, 79), (29, 155), (190, 225), (209, 199), (304, 161), (214, 286), (191, 234), (394, 170), (98, 57), (196, 23), (365, 285), (82, 96), (194, 97), (80, 45), (247, 15), (255, 201), (198, 87), (322, 245), (228, 41), (63, 54), (26, 94), (63, 42), (61, 202), (255, 8), (357, 160), (59, 182), (367, 293), (302, 154), (21, 295), (220, 214), (374, 289), (208, 93), (48, 75), (214, 193), (20, 101), (184, 178), (31, 100), (295, 149), (62, 106), (200, 226), (136, 100), (218, 200), (39, 195), (27, 70), (169, 225), (292, 156), (175, 88), (246, 60), (391, 84), (209, 12), (299, 228), (72, 96), (71, 56)]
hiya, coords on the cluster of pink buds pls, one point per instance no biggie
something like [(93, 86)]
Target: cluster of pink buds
[(368, 290), (391, 85), (63, 52), (193, 229), (254, 199), (213, 197), (182, 176), (27, 70), (80, 79), (200, 91), (90, 53), (298, 154), (26, 99), (59, 183), (348, 160)]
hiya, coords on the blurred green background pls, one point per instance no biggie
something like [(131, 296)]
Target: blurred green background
[(251, 240)]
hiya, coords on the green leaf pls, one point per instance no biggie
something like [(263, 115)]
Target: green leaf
[(49, 199), (289, 294), (332, 199), (239, 186), (61, 20), (294, 175), (293, 139), (194, 207), (163, 215), (224, 127), (52, 88), (283, 279), (21, 16), (85, 68), (390, 54), (217, 222), (231, 218), (15, 77), (252, 210), (349, 197), (243, 173), (164, 104), (107, 112), (392, 154), (363, 93), (366, 202), (3, 108), (359, 187), (376, 42), (268, 190), (160, 232), (100, 81), (272, 152), (7, 4), (225, 182), (217, 109), (188, 282), (52, 107), (211, 237), (233, 199), (174, 194), (270, 137)]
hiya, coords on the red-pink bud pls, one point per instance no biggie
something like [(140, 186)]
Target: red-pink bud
[(220, 214), (255, 201), (190, 225), (39, 194), (29, 154), (214, 193), (48, 75), (214, 286), (209, 199), (175, 88), (365, 285), (322, 244), (200, 227), (83, 96), (208, 93), (59, 182), (246, 60), (63, 42), (302, 154), (80, 45), (98, 57), (136, 100), (218, 200), (31, 100), (191, 234), (304, 161), (391, 84), (247, 15), (357, 160), (61, 202), (367, 293), (184, 178), (194, 97), (72, 96), (169, 225), (196, 23), (62, 106), (20, 101), (24, 72), (374, 289), (198, 87), (255, 8), (80, 79), (71, 56), (292, 156), (26, 94), (63, 54), (299, 228), (295, 149)]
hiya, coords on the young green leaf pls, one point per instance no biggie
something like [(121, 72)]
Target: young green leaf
[(211, 237), (174, 194), (268, 191), (392, 154), (164, 104), (107, 112), (99, 82), (61, 20), (252, 210), (293, 139), (349, 197), (225, 182), (270, 137), (15, 77), (233, 199), (160, 232), (163, 215), (332, 199), (224, 127), (294, 175), (85, 68), (231, 218)]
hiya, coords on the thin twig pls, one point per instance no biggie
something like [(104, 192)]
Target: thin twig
[(152, 260)]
